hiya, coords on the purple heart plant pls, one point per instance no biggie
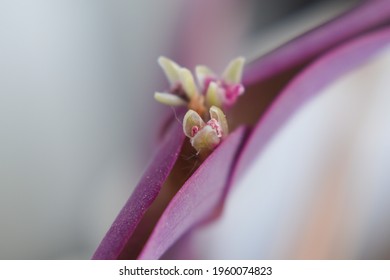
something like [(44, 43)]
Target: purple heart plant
[(219, 131)]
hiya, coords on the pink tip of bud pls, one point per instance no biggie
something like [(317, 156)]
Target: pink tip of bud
[(215, 125), (232, 92), (194, 130)]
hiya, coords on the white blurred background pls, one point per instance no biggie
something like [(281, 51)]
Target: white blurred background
[(77, 118)]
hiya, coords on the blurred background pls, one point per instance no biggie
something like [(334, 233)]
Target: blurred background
[(77, 116)]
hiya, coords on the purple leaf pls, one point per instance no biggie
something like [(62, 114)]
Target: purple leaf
[(360, 20), (143, 196), (307, 85), (197, 199)]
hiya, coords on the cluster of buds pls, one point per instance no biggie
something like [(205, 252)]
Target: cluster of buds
[(205, 123)]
